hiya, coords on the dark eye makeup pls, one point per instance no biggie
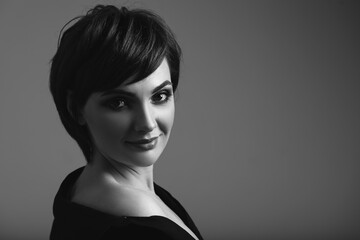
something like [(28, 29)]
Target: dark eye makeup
[(162, 96), (118, 103)]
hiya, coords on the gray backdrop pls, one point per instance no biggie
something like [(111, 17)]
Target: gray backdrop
[(266, 142)]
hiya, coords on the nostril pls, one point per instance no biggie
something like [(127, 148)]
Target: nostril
[(145, 128)]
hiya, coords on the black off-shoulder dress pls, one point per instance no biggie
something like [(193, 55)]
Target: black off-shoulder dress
[(75, 221)]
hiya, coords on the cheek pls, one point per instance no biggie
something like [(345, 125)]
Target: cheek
[(166, 119), (109, 129)]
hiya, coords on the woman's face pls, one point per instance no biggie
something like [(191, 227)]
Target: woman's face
[(131, 124)]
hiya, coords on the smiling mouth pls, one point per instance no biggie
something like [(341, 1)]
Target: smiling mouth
[(143, 141), (143, 144)]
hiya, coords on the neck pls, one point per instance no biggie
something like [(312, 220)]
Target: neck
[(126, 175)]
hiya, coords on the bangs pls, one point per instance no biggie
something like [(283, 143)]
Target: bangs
[(130, 48)]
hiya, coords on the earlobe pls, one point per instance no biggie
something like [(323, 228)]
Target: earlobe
[(74, 110)]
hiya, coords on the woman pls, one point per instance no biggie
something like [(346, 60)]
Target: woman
[(113, 80)]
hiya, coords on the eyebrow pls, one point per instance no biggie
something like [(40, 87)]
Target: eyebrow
[(130, 94)]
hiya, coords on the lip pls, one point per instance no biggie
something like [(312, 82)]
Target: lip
[(143, 144), (143, 140)]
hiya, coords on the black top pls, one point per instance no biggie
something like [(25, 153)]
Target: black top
[(76, 221)]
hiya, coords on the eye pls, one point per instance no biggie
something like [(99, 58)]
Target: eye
[(161, 97), (116, 104)]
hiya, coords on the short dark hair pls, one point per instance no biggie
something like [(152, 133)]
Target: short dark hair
[(99, 52)]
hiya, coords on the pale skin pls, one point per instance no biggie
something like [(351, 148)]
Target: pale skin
[(119, 179)]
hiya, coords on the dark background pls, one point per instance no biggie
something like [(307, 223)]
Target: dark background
[(266, 143)]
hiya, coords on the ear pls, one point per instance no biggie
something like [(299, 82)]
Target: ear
[(73, 109)]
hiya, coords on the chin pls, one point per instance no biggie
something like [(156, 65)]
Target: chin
[(134, 158), (145, 158)]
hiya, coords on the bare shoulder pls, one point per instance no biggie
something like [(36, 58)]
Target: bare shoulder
[(121, 201), (132, 202)]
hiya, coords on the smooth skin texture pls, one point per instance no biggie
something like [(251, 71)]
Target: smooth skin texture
[(130, 127)]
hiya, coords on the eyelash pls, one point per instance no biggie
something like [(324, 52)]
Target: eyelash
[(164, 95), (113, 104), (168, 94)]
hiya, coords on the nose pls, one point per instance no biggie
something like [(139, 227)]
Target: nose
[(145, 120)]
